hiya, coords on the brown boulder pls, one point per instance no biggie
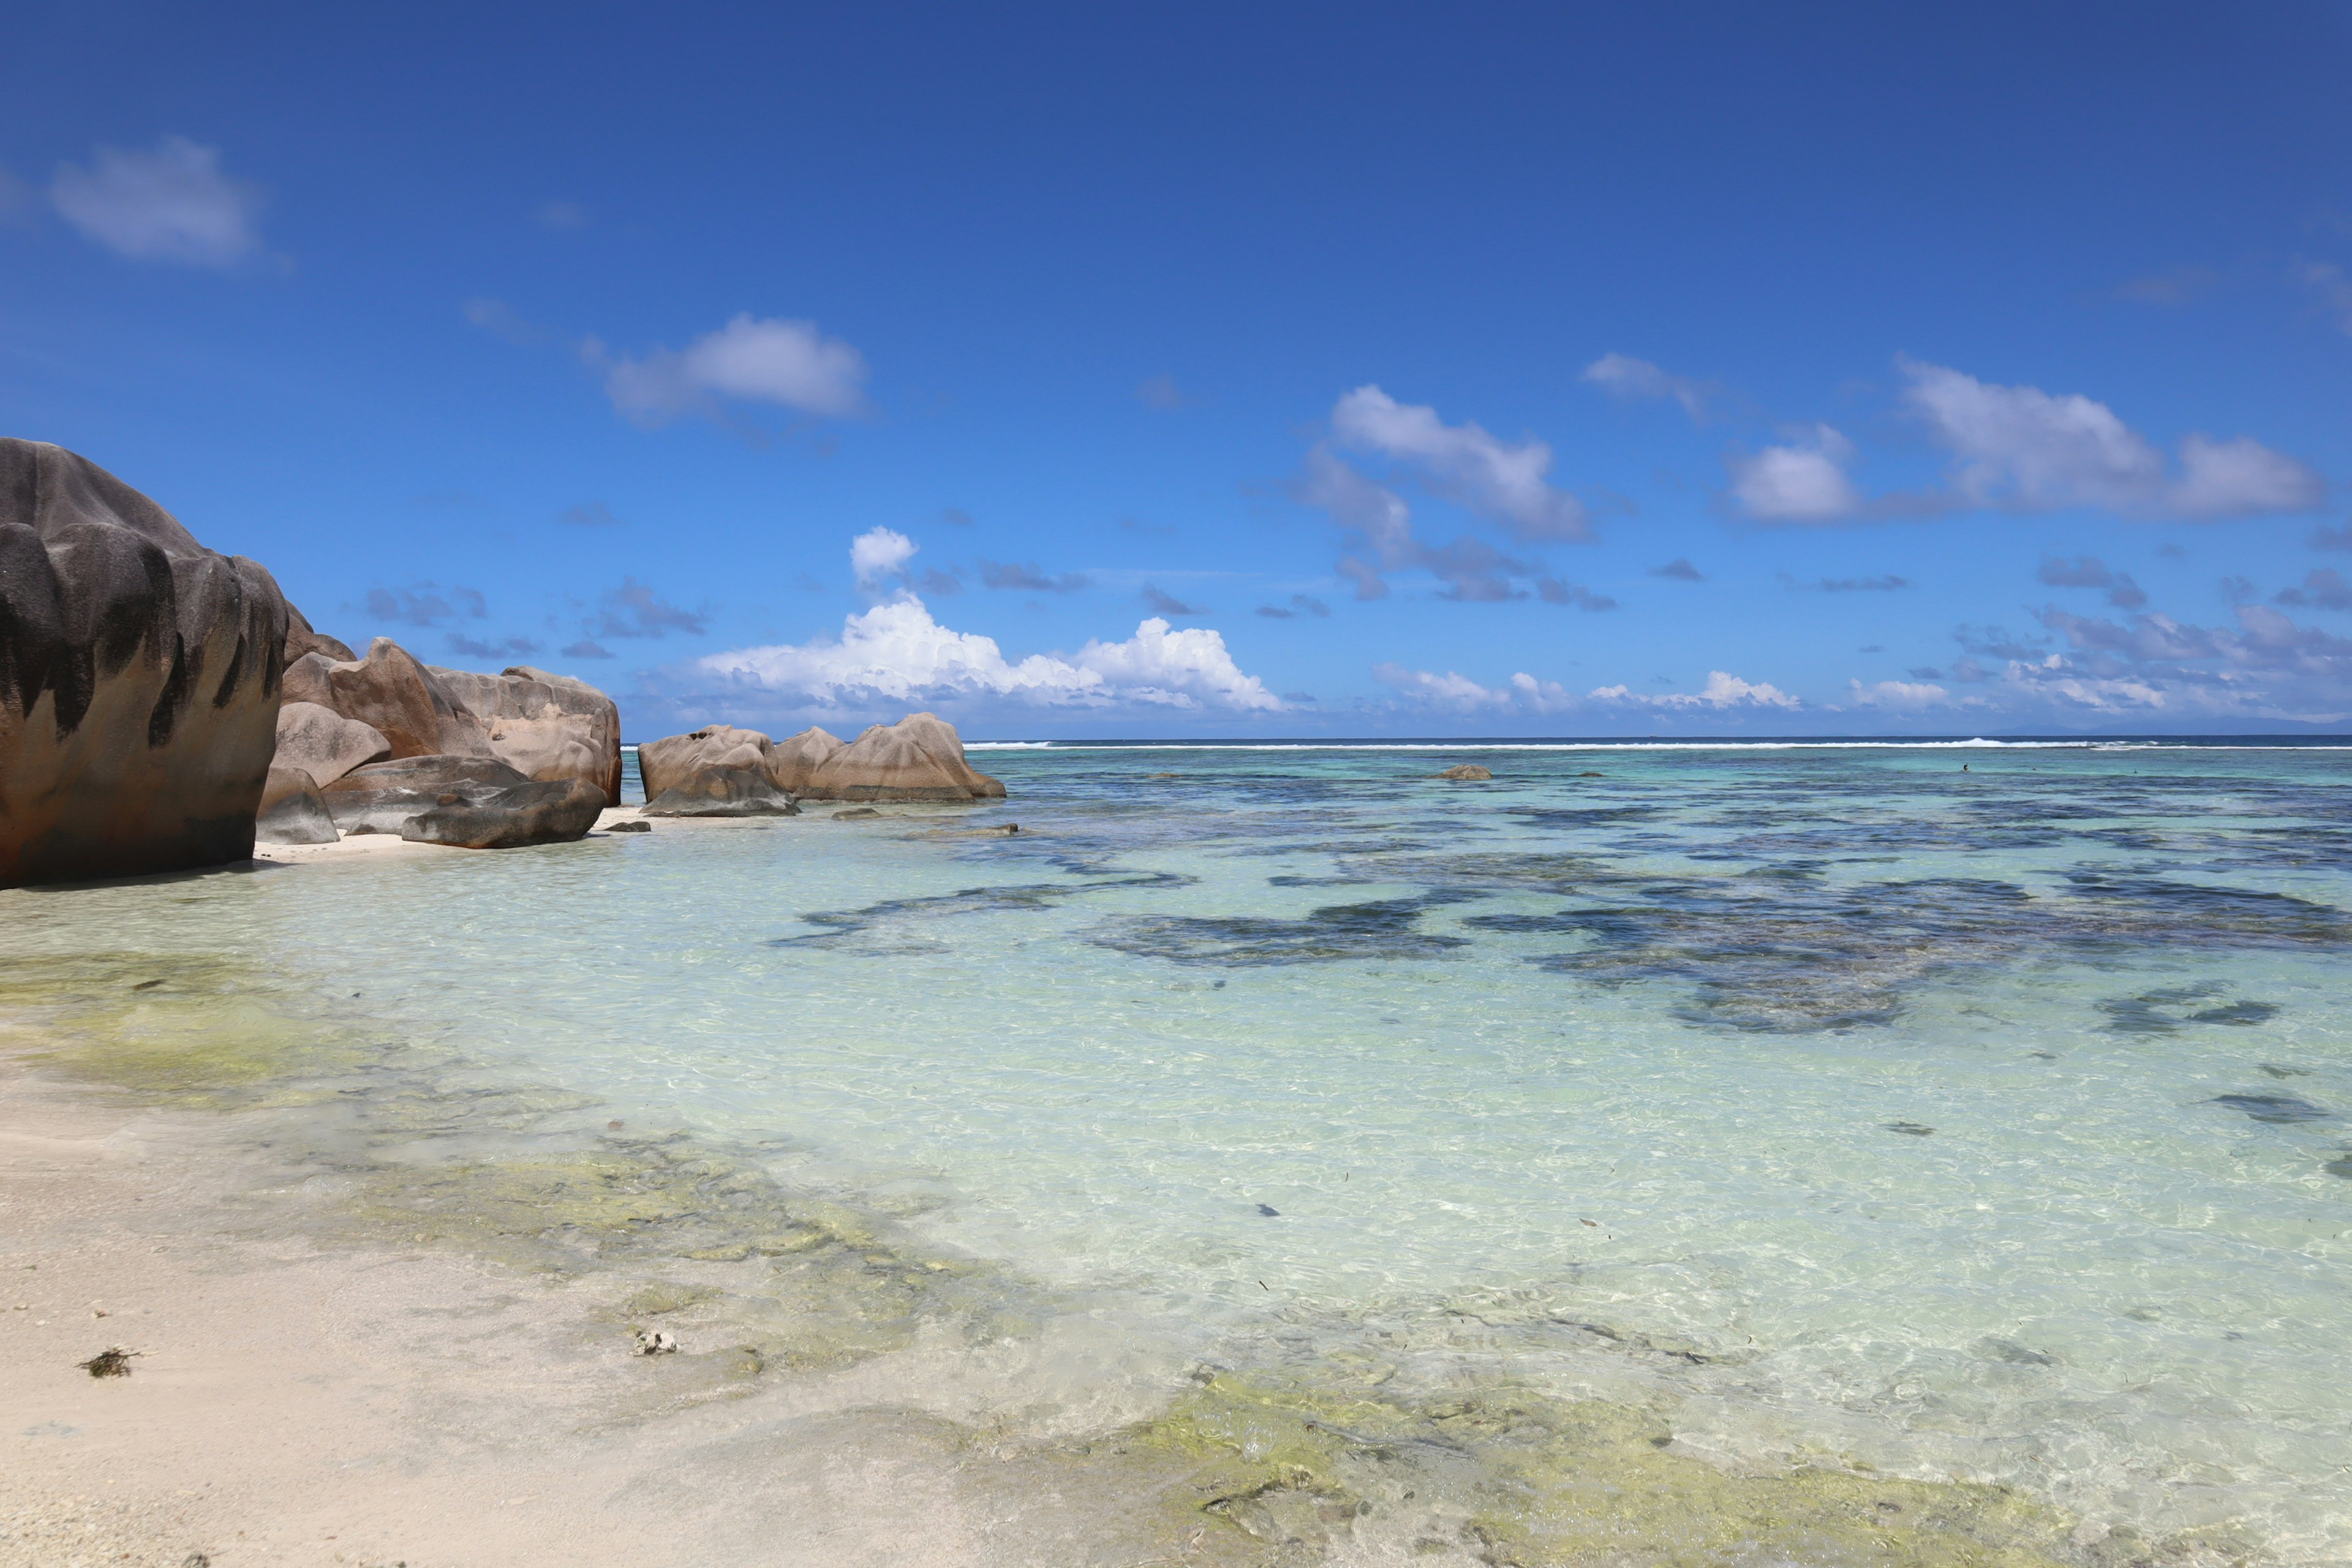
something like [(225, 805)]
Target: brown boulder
[(792, 762), (138, 679), (1465, 772), (722, 792), (549, 726), (381, 796), (510, 816), (919, 758), (301, 638), (394, 694), (292, 811), (665, 764), (325, 745)]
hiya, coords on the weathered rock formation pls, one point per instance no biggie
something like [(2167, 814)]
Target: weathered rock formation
[(301, 638), (1465, 772), (552, 812), (548, 727), (722, 792), (664, 764), (138, 679), (473, 802), (324, 745), (391, 692), (919, 758), (292, 811), (792, 762)]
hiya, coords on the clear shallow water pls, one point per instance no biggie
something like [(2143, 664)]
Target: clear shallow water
[(1987, 1124)]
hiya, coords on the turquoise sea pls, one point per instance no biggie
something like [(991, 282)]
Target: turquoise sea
[(1969, 1111)]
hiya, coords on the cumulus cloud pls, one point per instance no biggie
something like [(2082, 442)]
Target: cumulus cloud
[(1801, 480), (168, 202), (1630, 379), (877, 553), (2323, 588), (1723, 690), (1896, 696), (750, 359), (898, 652), (1498, 480), (2025, 449), (1457, 693)]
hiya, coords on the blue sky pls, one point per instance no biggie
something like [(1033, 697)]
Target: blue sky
[(1233, 371)]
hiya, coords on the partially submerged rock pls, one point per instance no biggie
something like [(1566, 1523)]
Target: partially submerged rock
[(722, 792), (381, 796), (138, 679), (919, 758), (1465, 772), (546, 726), (324, 745), (510, 816), (665, 764), (292, 811)]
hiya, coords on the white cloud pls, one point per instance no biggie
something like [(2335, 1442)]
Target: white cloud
[(2021, 447), (1900, 695), (1627, 378), (898, 652), (880, 553), (1722, 690), (758, 360), (1502, 482), (1459, 693), (168, 204), (1803, 482)]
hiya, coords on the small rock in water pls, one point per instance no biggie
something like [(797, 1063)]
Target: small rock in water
[(654, 1342), (1269, 1211), (147, 985), (631, 828), (1913, 1127), (1465, 772), (861, 811), (612, 1127)]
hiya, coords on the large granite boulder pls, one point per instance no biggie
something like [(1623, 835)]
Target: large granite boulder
[(722, 792), (792, 762), (381, 796), (292, 812), (138, 679), (511, 817), (919, 758), (391, 692), (324, 745), (665, 764), (301, 638), (548, 727)]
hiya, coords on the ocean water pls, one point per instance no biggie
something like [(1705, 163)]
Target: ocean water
[(1990, 1124)]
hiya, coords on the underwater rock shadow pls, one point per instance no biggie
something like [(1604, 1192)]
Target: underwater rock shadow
[(839, 926), (1380, 929)]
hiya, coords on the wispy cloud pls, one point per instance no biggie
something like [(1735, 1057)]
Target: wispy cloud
[(585, 648), (476, 647), (635, 610), (1680, 570), (1300, 605), (1554, 591), (559, 215), (168, 202), (2323, 588), (1025, 576), (1161, 604), (1499, 480), (1887, 585), (1722, 690), (1630, 379), (2090, 571), (2174, 286), (426, 605), (2331, 288), (750, 359)]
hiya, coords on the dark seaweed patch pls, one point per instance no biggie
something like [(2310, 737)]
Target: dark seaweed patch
[(2163, 1012), (1581, 816), (2280, 1109), (1383, 928), (1315, 881), (838, 925), (2248, 915)]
